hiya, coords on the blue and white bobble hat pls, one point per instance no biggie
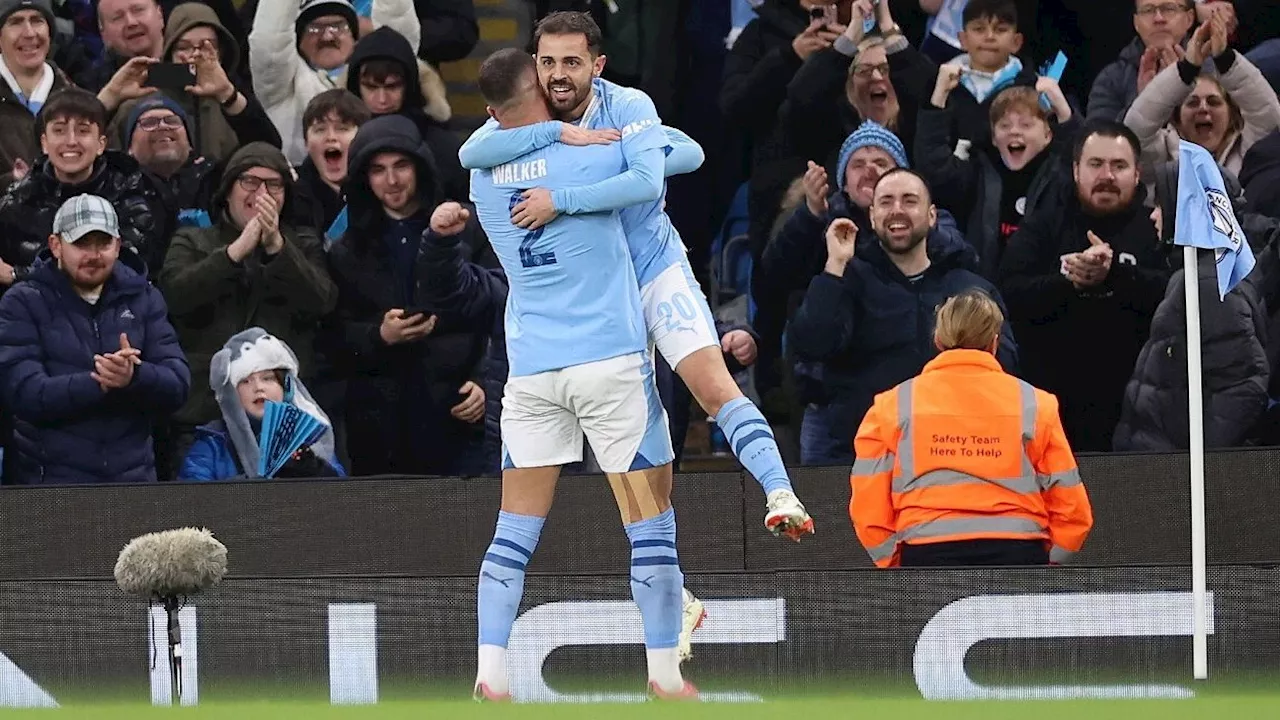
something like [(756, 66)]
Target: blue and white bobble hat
[(871, 134)]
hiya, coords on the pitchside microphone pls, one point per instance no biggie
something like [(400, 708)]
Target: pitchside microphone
[(169, 567)]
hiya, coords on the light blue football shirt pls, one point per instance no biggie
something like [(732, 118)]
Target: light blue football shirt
[(573, 297), (652, 241)]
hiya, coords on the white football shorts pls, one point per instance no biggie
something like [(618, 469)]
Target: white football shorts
[(677, 315), (613, 402)]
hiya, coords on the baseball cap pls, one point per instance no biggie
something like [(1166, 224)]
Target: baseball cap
[(84, 214)]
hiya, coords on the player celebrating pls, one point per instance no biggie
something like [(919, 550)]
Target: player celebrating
[(676, 313), (577, 350)]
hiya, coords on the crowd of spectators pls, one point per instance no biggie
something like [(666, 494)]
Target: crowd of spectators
[(209, 206)]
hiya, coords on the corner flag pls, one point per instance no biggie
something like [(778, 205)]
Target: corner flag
[(1205, 218)]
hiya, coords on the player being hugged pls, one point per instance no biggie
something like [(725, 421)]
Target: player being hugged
[(579, 364)]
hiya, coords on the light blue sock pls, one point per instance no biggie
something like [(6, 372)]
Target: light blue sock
[(752, 441), (502, 575), (656, 581)]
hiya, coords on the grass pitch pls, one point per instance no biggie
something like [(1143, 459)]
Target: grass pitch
[(1257, 707)]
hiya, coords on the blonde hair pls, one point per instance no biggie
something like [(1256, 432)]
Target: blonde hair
[(970, 321)]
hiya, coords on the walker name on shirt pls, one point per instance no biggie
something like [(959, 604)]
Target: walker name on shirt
[(635, 127), (519, 173), (966, 446)]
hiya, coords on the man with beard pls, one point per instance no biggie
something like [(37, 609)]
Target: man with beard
[(797, 254), (75, 161), (675, 310), (869, 316), (88, 359), (1083, 279)]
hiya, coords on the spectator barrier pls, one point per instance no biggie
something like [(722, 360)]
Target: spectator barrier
[(424, 527), (941, 634)]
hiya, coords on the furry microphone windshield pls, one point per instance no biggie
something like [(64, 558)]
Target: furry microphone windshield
[(173, 563)]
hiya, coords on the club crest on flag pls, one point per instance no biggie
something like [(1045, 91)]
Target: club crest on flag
[(1206, 218), (1224, 221)]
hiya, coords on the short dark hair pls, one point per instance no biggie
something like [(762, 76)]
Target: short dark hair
[(1107, 129), (1000, 10), (72, 102), (567, 22), (502, 73), (340, 102), (380, 70), (928, 191)]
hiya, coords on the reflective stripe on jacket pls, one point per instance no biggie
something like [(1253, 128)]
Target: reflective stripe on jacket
[(965, 451)]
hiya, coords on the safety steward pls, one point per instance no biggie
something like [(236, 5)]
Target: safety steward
[(965, 464)]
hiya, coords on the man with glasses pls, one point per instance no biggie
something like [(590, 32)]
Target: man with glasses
[(75, 161), (1163, 26), (296, 53), (157, 132), (252, 268)]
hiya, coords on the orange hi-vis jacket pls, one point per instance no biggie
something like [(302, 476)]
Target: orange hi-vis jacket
[(964, 451)]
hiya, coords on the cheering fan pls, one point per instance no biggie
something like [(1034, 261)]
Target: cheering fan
[(286, 429)]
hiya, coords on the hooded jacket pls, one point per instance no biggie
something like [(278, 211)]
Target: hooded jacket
[(229, 448), (1234, 346), (1081, 344), (873, 328), (398, 396), (285, 82), (425, 103), (28, 208), (66, 428), (212, 298)]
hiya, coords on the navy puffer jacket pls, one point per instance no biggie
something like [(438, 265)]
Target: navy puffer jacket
[(67, 430), (873, 328)]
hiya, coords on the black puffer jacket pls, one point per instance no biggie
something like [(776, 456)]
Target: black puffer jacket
[(1235, 362), (398, 396), (1260, 175), (27, 210)]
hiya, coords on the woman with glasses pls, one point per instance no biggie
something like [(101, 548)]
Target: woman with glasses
[(1224, 111)]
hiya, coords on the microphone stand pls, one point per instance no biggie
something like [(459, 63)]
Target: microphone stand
[(171, 608)]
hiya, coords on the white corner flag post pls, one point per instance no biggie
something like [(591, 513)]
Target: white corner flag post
[(1206, 220), (1195, 408)]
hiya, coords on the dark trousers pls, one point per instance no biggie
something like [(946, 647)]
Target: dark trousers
[(975, 552)]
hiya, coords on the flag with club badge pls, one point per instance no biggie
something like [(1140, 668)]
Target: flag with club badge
[(1206, 219)]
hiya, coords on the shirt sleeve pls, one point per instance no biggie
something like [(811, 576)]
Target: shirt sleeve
[(490, 146)]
